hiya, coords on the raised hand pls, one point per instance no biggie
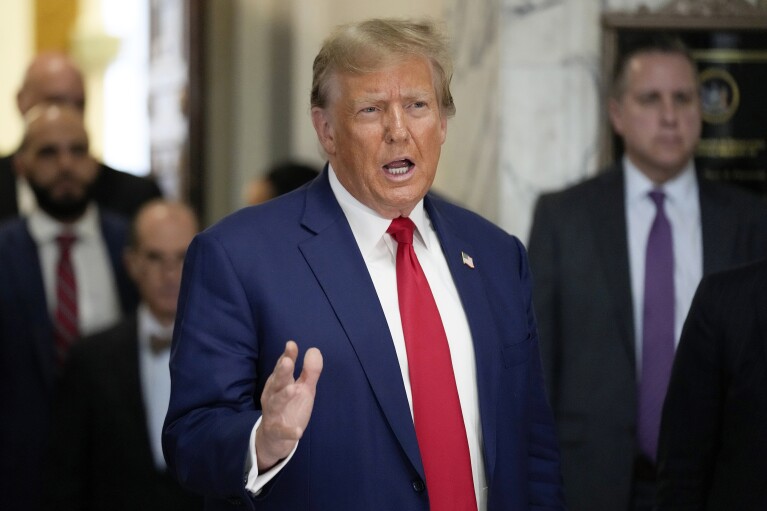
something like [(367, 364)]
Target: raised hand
[(286, 405)]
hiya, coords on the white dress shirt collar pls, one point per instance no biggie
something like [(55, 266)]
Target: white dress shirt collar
[(368, 226), (44, 228), (149, 326), (681, 188)]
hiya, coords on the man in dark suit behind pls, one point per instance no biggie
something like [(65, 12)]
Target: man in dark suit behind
[(66, 235), (54, 78), (113, 394), (587, 254), (355, 429), (712, 452)]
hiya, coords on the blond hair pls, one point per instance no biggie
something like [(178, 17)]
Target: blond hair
[(370, 45)]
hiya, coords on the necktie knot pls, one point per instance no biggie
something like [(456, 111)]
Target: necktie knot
[(65, 241), (159, 343), (401, 229), (658, 197)]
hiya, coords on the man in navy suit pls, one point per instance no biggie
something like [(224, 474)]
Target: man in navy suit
[(55, 161), (317, 267)]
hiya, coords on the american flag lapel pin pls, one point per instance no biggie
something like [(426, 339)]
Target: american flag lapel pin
[(467, 260)]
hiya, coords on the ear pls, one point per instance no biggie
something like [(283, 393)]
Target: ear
[(615, 111), (323, 125), (131, 263)]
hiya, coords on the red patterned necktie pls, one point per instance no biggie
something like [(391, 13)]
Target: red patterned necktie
[(65, 317), (437, 414)]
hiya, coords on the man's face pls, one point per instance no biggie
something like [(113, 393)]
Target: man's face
[(56, 163), (163, 235), (658, 115), (383, 132)]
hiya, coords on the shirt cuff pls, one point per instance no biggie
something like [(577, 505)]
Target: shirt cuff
[(254, 482)]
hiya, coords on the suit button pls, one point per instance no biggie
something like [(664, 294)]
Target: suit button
[(234, 501), (418, 485)]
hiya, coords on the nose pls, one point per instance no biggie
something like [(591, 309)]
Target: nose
[(65, 160), (669, 111), (396, 126)]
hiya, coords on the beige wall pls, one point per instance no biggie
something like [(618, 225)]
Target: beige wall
[(15, 50)]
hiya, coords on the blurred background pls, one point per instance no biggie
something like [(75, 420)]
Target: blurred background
[(208, 94)]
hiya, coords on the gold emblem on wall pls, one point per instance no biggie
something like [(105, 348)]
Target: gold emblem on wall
[(719, 94)]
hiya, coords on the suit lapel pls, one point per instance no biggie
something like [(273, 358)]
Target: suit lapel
[(351, 292), (128, 385), (468, 282), (612, 246), (28, 271)]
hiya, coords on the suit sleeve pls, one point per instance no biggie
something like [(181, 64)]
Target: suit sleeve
[(691, 423), (544, 249), (213, 367), (545, 477)]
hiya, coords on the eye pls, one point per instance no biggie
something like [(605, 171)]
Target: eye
[(46, 151), (684, 98), (79, 150), (420, 104), (648, 99), (368, 110)]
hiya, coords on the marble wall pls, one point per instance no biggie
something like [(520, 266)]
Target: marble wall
[(551, 99)]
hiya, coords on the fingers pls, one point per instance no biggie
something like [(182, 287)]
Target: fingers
[(312, 367), (282, 375)]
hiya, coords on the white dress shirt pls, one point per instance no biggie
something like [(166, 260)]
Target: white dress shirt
[(379, 251), (682, 207), (98, 303), (155, 379)]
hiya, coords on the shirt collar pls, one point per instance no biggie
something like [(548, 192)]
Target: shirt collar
[(678, 189), (148, 325), (368, 226), (45, 228)]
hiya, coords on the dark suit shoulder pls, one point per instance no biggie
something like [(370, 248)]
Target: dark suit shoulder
[(122, 192), (591, 189), (733, 196), (736, 283), (8, 202), (106, 346)]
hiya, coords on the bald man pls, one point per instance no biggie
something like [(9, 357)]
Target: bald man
[(61, 276), (54, 77), (114, 390)]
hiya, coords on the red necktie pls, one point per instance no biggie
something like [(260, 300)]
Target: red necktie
[(437, 414), (65, 317)]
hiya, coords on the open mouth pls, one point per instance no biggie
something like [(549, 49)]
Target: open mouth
[(399, 167)]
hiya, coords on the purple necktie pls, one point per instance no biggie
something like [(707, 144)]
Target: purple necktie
[(657, 327)]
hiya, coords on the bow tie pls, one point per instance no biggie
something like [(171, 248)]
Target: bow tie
[(158, 343)]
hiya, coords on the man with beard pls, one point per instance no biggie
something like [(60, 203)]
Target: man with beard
[(54, 78), (61, 277)]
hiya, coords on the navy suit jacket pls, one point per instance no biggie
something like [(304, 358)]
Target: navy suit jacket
[(291, 269), (27, 356)]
